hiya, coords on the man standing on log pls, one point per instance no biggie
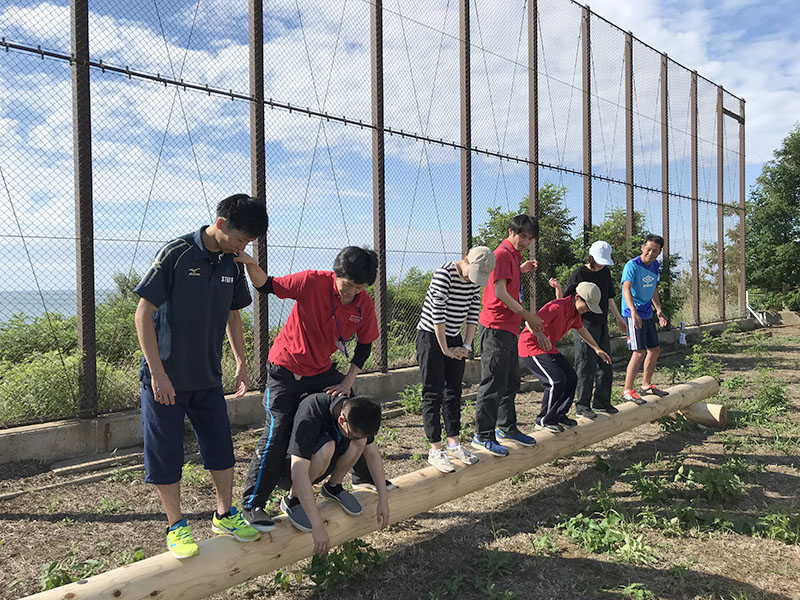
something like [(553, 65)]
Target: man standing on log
[(500, 321), (639, 296), (190, 297)]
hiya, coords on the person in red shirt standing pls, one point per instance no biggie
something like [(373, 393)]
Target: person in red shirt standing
[(330, 309), (548, 364), (500, 321)]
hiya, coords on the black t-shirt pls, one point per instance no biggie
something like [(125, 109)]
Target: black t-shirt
[(313, 419), (602, 279)]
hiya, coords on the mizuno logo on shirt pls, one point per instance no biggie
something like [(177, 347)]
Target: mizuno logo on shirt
[(226, 279), (194, 272)]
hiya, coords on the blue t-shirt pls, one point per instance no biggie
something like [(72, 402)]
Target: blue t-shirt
[(194, 292), (643, 280)]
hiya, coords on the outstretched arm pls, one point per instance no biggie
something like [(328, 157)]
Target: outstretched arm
[(256, 273)]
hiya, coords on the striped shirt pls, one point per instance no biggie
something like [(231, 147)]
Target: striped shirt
[(450, 300)]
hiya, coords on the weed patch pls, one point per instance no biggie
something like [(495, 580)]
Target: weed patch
[(411, 399), (352, 559)]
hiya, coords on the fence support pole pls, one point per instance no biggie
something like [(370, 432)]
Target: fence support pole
[(379, 183), (695, 196), (720, 200), (742, 215), (533, 134), (258, 183), (629, 206), (466, 127), (586, 62), (665, 153), (84, 213)]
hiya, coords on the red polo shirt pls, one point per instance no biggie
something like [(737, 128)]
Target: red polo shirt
[(558, 317), (495, 314), (318, 318)]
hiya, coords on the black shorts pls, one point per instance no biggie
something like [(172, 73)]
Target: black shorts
[(342, 445)]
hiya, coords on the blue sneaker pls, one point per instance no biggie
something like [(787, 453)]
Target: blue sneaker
[(516, 436), (491, 446)]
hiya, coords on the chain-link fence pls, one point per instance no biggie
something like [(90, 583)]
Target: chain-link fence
[(411, 127)]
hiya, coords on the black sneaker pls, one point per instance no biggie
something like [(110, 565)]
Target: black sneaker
[(651, 389), (585, 412), (258, 519), (606, 409), (565, 421), (552, 427), (296, 513)]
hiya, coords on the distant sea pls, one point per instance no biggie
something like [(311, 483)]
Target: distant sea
[(65, 302)]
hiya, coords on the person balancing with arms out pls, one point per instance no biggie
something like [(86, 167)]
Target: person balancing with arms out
[(543, 359)]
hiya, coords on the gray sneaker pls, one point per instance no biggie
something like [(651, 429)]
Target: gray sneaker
[(462, 454), (296, 513), (345, 499), (439, 459), (258, 519)]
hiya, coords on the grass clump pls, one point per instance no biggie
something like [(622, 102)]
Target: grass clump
[(411, 399)]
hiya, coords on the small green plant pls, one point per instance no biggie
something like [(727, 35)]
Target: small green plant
[(603, 465), (609, 534), (194, 475), (449, 589), (779, 526), (597, 499), (497, 563), (543, 545), (61, 572), (519, 478), (636, 591), (490, 590), (649, 489), (735, 383), (411, 399), (282, 580), (121, 476), (351, 559), (109, 506), (137, 555), (717, 483)]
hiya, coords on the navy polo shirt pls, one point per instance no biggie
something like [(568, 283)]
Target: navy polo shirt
[(194, 293)]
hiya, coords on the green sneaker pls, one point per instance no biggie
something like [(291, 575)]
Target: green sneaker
[(180, 541), (236, 526)]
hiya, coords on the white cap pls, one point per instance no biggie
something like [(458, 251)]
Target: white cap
[(600, 251), (481, 264)]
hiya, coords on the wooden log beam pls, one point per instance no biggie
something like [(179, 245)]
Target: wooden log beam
[(223, 562), (710, 415)]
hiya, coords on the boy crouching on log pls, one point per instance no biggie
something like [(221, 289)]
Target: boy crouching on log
[(539, 353), (330, 433)]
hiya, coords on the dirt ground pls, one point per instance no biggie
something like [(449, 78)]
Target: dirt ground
[(500, 542)]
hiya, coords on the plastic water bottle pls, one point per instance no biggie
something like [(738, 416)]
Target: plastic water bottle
[(682, 338)]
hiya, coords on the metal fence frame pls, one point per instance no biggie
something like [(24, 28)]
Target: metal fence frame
[(82, 66)]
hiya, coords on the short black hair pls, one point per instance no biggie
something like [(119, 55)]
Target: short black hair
[(363, 414), (244, 213), (525, 224), (652, 237), (359, 265)]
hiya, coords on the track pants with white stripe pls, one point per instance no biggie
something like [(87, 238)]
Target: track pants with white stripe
[(559, 379)]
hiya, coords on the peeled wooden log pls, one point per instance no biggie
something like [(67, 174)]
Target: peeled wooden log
[(710, 415), (223, 562)]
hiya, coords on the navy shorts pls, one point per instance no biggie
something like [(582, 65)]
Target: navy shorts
[(162, 428), (342, 445), (644, 337)]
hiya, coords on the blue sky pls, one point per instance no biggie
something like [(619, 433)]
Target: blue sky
[(163, 159)]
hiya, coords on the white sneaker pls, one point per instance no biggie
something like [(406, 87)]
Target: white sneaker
[(439, 459), (462, 454)]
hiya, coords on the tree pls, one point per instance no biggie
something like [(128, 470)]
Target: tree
[(773, 220), (556, 248)]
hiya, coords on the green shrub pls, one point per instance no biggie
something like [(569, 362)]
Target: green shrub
[(43, 387), (21, 336), (411, 399)]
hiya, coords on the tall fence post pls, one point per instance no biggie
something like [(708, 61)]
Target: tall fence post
[(742, 215), (466, 127), (258, 183), (695, 197), (720, 201), (665, 153), (586, 54), (533, 133), (628, 65), (84, 212), (379, 183)]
